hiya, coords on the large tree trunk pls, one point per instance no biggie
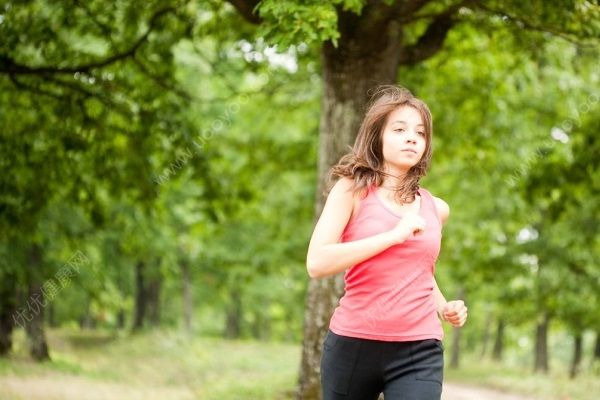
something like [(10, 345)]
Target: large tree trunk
[(597, 346), (349, 72), (499, 341), (261, 326), (455, 353), (7, 311), (153, 289), (121, 317), (541, 344), (36, 336), (487, 327), (140, 296), (456, 338), (35, 303), (188, 302), (86, 320), (233, 316), (153, 297), (576, 361)]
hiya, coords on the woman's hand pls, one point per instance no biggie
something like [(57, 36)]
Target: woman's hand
[(408, 225), (455, 312)]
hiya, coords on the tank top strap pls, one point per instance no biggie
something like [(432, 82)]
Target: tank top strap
[(428, 202)]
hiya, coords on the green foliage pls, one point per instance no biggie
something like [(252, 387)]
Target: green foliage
[(173, 133), (291, 22)]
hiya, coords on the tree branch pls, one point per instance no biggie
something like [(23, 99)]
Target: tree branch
[(246, 9), (432, 40), (405, 10), (524, 23), (8, 65), (160, 81), (32, 89)]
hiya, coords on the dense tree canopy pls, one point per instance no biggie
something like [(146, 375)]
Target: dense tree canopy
[(179, 147)]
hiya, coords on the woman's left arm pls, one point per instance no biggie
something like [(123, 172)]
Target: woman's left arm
[(455, 311)]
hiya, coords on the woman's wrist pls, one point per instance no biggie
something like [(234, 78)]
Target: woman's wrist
[(440, 310), (393, 237)]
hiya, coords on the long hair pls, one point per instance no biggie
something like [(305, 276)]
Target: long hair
[(365, 163)]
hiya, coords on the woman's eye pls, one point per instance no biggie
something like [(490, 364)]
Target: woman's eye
[(421, 133), (399, 130)]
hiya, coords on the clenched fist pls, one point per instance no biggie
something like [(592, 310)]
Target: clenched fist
[(455, 312)]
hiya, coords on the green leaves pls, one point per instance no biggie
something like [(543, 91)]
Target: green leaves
[(312, 22)]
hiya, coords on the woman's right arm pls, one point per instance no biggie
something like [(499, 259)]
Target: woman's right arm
[(327, 256)]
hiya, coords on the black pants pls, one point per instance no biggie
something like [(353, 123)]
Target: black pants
[(360, 369)]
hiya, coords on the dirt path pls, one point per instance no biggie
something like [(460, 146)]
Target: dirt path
[(454, 391), (76, 388)]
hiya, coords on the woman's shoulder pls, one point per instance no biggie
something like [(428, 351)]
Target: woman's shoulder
[(345, 190), (348, 186)]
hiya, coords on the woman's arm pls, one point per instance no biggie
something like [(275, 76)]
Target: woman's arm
[(455, 311), (327, 256), (440, 300)]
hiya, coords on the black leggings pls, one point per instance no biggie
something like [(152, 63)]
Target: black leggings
[(360, 369)]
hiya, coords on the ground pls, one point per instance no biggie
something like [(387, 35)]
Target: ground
[(177, 366), (454, 391)]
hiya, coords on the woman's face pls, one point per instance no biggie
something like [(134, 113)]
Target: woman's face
[(404, 140)]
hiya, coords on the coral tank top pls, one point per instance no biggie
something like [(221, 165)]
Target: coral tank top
[(389, 297)]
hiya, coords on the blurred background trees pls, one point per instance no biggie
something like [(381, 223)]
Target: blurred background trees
[(165, 157)]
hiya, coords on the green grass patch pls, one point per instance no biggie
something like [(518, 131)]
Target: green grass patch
[(192, 367)]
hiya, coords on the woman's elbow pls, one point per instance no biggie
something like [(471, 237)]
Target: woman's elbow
[(314, 268)]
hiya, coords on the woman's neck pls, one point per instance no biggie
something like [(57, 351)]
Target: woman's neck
[(394, 177)]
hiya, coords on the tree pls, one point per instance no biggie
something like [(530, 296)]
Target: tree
[(73, 78), (362, 45)]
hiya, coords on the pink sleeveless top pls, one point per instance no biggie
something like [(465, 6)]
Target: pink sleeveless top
[(389, 296)]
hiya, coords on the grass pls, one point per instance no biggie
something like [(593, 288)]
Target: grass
[(160, 364), (171, 365)]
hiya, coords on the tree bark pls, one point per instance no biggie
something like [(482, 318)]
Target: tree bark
[(87, 320), (597, 346), (36, 336), (188, 301), (153, 288), (121, 317), (233, 317), (541, 345), (261, 326), (577, 353), (485, 340), (153, 299), (7, 311), (34, 328), (456, 338), (140, 296), (499, 341), (455, 354)]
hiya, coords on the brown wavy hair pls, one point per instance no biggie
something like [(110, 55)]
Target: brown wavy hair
[(364, 164)]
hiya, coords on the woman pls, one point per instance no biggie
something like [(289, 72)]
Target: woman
[(384, 231)]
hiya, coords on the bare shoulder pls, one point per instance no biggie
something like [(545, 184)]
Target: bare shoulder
[(443, 209), (343, 186), (343, 194)]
